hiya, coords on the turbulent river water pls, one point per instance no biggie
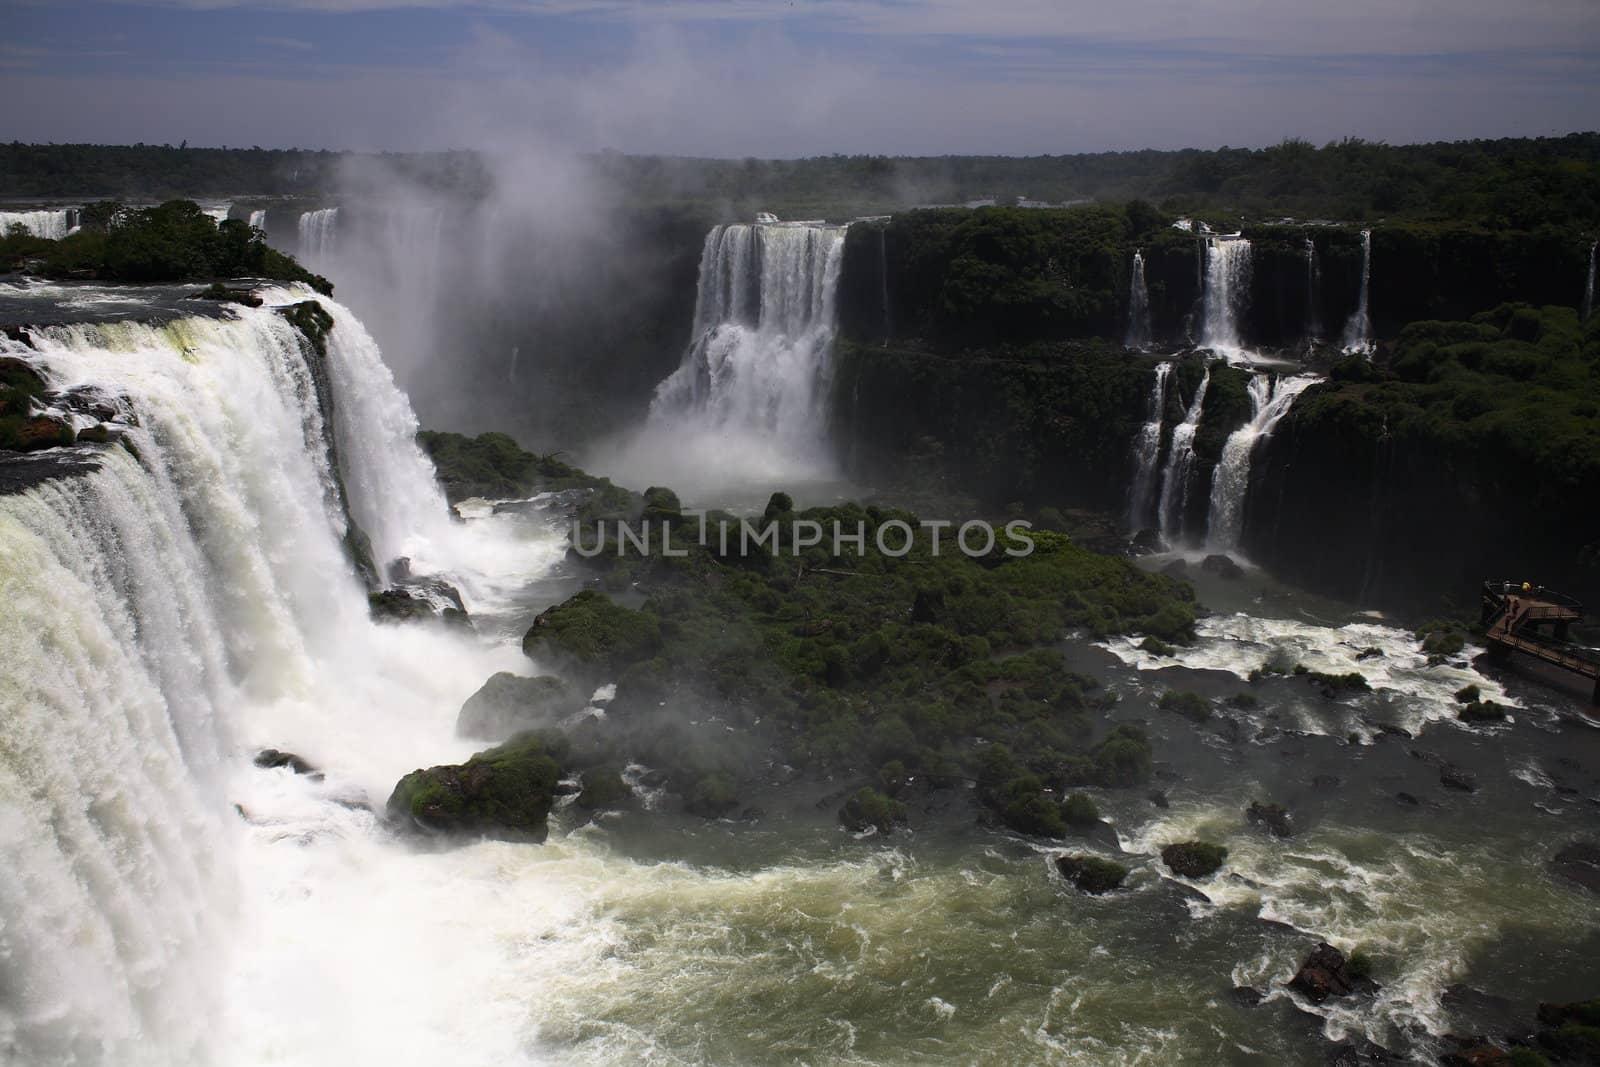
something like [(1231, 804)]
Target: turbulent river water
[(164, 901)]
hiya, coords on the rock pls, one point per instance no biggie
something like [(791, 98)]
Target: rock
[(1194, 859), (1358, 1052), (1176, 569), (1572, 1033), (1472, 1052), (712, 797), (504, 792), (594, 632), (1369, 653), (36, 432), (1484, 1013), (869, 809), (1325, 973), (1453, 777), (1222, 566), (1091, 874), (1407, 799), (1159, 799), (98, 434), (1389, 729), (603, 788), (1481, 711), (270, 758), (1579, 863), (1146, 541), (508, 704), (1246, 996), (1273, 818)]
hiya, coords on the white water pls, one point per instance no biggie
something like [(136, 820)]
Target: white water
[(1270, 400), (258, 220), (168, 616), (318, 231), (1138, 334), (51, 225), (749, 403), (1313, 294), (218, 212), (1588, 284), (1147, 450), (1358, 331), (1227, 293), (1180, 461)]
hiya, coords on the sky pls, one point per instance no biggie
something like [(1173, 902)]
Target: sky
[(783, 78)]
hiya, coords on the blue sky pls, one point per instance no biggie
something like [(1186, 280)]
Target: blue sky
[(795, 77)]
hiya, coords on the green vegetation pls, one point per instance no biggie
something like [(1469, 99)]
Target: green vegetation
[(175, 242), (869, 809), (1091, 874), (1191, 706), (1194, 859), (503, 792), (494, 466), (594, 632)]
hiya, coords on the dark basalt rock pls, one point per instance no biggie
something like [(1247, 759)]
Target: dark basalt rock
[(1222, 566), (271, 758), (1407, 799), (221, 293), (1482, 711), (422, 600), (508, 704), (1358, 1052), (1453, 777), (1273, 818), (1178, 568), (1091, 874), (1579, 863), (603, 788), (1194, 859), (20, 472), (1327, 973), (1246, 996), (1472, 1052)]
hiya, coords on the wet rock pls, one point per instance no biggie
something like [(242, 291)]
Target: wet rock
[(1091, 874), (1389, 729), (1178, 568), (1358, 1052), (1579, 863), (1146, 541), (19, 473), (1159, 799), (1246, 996), (271, 758), (508, 704), (1453, 777), (1482, 711), (1369, 653), (1222, 566), (1407, 799), (1183, 893), (1472, 1052), (504, 792), (1481, 1013), (869, 809), (1328, 973), (1273, 818), (1194, 859)]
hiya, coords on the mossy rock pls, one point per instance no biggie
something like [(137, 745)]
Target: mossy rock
[(1091, 874), (593, 631), (712, 796), (508, 704), (1190, 705), (869, 809), (504, 792), (1482, 711), (603, 788), (1194, 859), (397, 605), (1080, 812)]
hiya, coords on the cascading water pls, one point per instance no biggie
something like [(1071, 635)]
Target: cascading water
[(752, 392), (1313, 295), (218, 212), (1180, 463), (883, 281), (1138, 334), (1270, 400), (1588, 285), (168, 613), (51, 225), (318, 230), (1227, 293), (1147, 450), (1358, 331), (258, 220)]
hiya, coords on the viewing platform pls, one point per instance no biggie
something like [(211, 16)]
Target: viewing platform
[(1535, 621)]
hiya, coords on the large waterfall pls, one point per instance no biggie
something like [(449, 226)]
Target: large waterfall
[(317, 233), (1138, 332), (52, 225), (1227, 293), (1270, 400), (751, 395), (168, 614), (1588, 285), (1147, 450), (258, 219), (1358, 331), (1313, 295), (1180, 463)]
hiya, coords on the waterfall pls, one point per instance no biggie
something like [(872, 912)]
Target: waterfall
[(168, 614), (752, 391), (51, 225), (1358, 331), (1313, 292), (1138, 335), (317, 232), (258, 220), (1270, 400), (1588, 286), (1227, 293), (1147, 450), (1180, 463), (883, 281), (218, 212)]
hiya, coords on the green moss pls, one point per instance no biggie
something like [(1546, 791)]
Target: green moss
[(502, 792), (592, 630), (1080, 811), (1091, 874), (868, 808), (1194, 859), (713, 796)]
